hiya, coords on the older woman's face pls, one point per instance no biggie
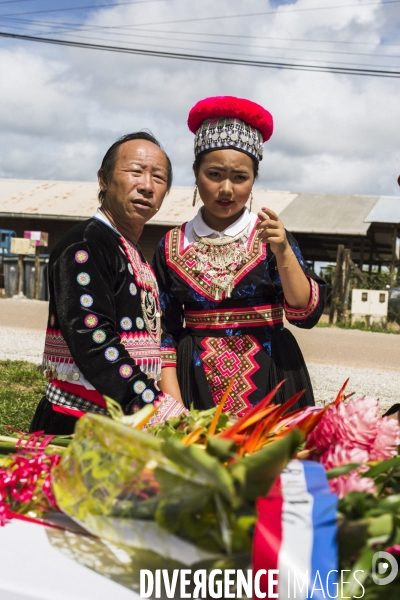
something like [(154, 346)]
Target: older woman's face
[(224, 181)]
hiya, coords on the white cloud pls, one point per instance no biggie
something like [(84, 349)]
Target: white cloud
[(60, 108)]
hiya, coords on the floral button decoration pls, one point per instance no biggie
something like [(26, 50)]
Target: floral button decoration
[(148, 396), (125, 371), (111, 354), (99, 336), (126, 323), (81, 256), (139, 386), (91, 321), (86, 300), (83, 278)]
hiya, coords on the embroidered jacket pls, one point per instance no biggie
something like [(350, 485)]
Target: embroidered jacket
[(257, 299), (213, 336), (96, 340)]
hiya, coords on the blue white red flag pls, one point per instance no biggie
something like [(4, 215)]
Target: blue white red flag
[(296, 534)]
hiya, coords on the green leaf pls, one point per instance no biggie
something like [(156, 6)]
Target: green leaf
[(255, 474), (204, 467), (224, 524), (390, 503), (352, 536), (114, 408), (380, 527), (342, 470), (221, 449), (377, 592), (363, 565), (382, 467)]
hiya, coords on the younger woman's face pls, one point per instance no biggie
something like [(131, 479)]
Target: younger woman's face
[(224, 180)]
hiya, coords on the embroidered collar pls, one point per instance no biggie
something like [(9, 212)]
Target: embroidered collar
[(202, 229), (197, 224), (181, 258)]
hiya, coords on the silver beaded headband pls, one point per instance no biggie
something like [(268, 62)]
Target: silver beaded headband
[(228, 133)]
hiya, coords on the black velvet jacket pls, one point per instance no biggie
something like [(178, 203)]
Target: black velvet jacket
[(96, 329)]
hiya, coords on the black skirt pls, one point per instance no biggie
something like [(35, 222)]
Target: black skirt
[(284, 362), (51, 422)]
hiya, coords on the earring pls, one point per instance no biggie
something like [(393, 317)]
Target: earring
[(194, 196), (251, 200)]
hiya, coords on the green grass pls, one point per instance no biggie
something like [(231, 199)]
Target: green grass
[(361, 327), (21, 388)]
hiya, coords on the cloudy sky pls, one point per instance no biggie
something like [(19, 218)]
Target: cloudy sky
[(61, 107)]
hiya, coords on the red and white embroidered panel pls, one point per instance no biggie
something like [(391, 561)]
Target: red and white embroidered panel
[(224, 357), (183, 260)]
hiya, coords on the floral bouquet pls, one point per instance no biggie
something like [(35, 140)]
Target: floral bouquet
[(359, 450), (185, 491), (185, 487)]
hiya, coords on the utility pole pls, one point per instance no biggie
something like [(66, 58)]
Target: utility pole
[(337, 284)]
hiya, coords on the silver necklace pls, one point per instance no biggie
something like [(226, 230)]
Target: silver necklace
[(219, 258)]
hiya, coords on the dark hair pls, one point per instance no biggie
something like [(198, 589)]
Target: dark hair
[(199, 158), (108, 162)]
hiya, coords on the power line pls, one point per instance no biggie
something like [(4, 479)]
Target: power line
[(271, 12), (302, 50), (38, 12), (73, 27), (135, 35), (244, 45), (254, 37), (194, 33), (252, 56), (257, 14), (209, 59)]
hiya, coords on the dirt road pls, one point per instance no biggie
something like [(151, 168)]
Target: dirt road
[(24, 314), (371, 360), (319, 345), (349, 347)]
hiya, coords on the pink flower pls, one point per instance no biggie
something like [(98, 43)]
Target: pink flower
[(387, 440), (343, 454), (357, 424), (354, 433), (352, 482)]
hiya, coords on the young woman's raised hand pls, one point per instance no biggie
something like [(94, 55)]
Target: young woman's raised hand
[(272, 231)]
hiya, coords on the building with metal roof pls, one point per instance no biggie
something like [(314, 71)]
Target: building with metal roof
[(368, 225), (386, 210)]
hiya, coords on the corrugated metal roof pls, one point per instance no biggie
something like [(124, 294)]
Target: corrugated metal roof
[(305, 213), (328, 214), (177, 206), (78, 200), (386, 210)]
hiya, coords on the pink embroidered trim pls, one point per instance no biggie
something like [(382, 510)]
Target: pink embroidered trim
[(168, 357), (56, 348), (300, 314), (251, 316), (144, 274), (140, 345), (167, 408)]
